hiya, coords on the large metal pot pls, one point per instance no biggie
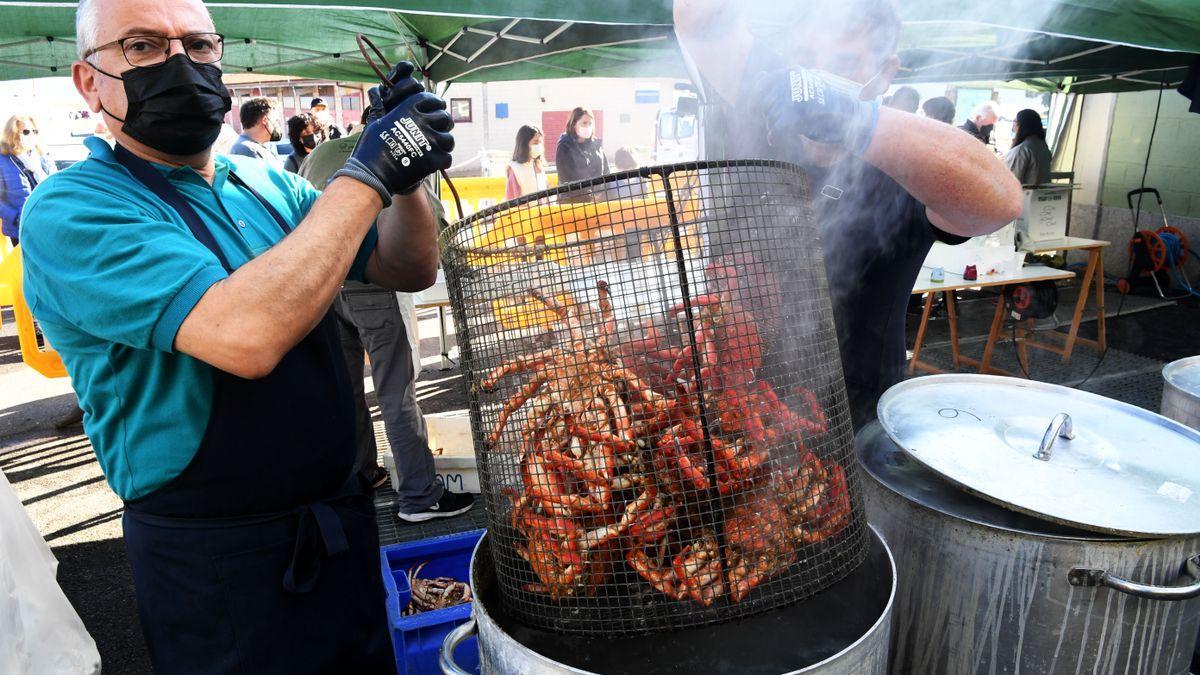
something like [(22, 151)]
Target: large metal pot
[(986, 588), (844, 629), (1181, 391)]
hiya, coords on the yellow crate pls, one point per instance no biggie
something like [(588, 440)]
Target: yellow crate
[(524, 312), (44, 360)]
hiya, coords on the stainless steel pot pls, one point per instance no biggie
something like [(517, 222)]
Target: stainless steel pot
[(844, 629), (1181, 391), (985, 589)]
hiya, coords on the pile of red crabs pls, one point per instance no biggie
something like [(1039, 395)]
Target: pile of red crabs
[(619, 468)]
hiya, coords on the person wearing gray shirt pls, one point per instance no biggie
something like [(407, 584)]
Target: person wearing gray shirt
[(1029, 159)]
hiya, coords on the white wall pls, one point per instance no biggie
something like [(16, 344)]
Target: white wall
[(1091, 150)]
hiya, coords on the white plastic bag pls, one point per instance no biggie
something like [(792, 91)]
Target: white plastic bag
[(40, 633)]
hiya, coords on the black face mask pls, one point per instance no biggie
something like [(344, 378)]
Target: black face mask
[(276, 135), (309, 141), (986, 130), (175, 107)]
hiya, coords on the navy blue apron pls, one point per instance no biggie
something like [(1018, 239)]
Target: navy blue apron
[(262, 556)]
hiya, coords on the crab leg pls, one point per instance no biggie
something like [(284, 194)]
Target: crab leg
[(599, 437), (518, 365), (513, 404), (603, 535)]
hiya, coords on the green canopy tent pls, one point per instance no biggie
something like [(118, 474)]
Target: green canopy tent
[(1077, 45)]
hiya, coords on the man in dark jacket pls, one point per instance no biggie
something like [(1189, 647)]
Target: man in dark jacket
[(981, 121), (885, 183)]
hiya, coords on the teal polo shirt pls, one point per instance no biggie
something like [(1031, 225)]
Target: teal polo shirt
[(111, 271)]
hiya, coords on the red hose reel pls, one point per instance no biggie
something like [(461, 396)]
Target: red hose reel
[(1151, 255)]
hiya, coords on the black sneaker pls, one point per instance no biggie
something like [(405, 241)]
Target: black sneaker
[(451, 504)]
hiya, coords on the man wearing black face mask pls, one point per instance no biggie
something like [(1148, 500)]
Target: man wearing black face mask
[(189, 296), (259, 128), (981, 122)]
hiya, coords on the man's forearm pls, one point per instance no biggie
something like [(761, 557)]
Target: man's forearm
[(247, 322), (964, 187), (406, 255)]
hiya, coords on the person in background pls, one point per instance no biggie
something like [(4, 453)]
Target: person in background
[(260, 127), (634, 187), (370, 317), (981, 121), (626, 159), (23, 165), (580, 154), (305, 134), (939, 108), (905, 98), (1030, 157), (527, 170), (318, 108)]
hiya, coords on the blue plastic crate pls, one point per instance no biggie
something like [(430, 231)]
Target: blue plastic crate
[(417, 639)]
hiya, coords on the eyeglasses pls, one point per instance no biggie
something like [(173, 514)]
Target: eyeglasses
[(150, 50), (26, 132)]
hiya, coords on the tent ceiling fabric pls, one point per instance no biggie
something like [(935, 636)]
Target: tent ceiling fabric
[(1101, 45)]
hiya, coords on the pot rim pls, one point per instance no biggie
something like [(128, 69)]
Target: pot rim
[(1170, 370), (880, 435), (885, 615)]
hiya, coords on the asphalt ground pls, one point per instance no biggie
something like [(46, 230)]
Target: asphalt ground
[(57, 478)]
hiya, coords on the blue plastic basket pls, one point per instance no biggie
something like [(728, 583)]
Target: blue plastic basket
[(417, 639)]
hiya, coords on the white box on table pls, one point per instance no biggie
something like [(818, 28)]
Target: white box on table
[(1045, 215)]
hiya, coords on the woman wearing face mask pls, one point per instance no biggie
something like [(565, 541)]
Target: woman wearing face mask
[(304, 133), (527, 171), (580, 155), (23, 165), (1029, 159)]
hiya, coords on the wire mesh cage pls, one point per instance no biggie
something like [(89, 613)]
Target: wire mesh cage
[(656, 398)]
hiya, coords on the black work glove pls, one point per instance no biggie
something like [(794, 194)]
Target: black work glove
[(384, 99), (396, 152), (818, 106)]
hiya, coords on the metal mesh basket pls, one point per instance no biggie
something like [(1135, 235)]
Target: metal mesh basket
[(656, 396)]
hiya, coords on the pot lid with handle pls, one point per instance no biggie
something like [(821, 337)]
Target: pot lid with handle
[(1055, 453), (1184, 374)]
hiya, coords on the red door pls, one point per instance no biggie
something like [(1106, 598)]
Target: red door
[(554, 123)]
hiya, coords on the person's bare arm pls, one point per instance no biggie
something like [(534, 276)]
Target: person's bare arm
[(965, 189), (247, 322), (716, 37), (406, 255)]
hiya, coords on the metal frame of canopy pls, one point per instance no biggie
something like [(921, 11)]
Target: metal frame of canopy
[(472, 40)]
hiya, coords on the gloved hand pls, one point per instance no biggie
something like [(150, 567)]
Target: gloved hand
[(396, 152), (818, 106), (384, 99)]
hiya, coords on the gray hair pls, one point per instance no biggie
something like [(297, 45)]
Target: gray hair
[(87, 24), (985, 108)]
